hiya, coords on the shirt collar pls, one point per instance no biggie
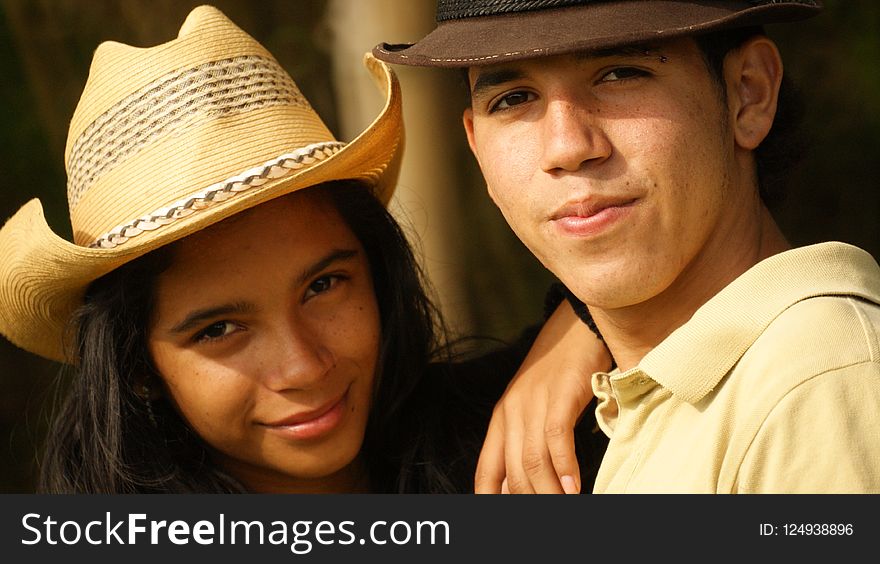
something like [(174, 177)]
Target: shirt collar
[(697, 355)]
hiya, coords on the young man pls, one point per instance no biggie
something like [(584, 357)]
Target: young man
[(625, 143)]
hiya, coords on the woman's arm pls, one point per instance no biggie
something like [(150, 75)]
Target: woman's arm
[(529, 446)]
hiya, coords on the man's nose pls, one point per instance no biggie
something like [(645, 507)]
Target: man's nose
[(573, 137)]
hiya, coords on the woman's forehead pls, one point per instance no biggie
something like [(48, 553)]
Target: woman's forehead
[(292, 227), (289, 212)]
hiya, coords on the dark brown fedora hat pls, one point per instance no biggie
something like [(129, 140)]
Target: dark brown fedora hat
[(479, 32)]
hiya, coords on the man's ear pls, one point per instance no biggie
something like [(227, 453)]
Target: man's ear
[(467, 118), (753, 73)]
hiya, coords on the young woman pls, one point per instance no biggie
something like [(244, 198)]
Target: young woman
[(238, 309)]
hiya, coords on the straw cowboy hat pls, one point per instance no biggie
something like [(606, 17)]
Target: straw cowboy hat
[(478, 32), (164, 142)]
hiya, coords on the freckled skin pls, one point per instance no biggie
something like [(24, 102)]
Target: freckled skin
[(298, 346)]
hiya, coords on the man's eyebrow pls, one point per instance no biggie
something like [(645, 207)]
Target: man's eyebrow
[(489, 79), (195, 318), (638, 50)]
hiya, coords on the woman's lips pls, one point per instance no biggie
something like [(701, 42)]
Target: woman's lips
[(582, 220), (312, 424)]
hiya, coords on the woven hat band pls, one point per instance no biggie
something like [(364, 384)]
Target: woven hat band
[(175, 166), (245, 183), (172, 105)]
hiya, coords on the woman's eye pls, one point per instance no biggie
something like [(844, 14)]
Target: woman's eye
[(216, 331), (321, 285), (512, 99), (622, 73)]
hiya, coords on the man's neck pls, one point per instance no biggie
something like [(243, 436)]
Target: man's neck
[(631, 332)]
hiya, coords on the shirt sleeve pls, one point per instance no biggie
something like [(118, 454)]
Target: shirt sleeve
[(821, 437)]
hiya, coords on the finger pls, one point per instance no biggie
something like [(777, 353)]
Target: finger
[(504, 487), (559, 437), (529, 467), (564, 414), (537, 462), (569, 486), (517, 480), (490, 470), (532, 470)]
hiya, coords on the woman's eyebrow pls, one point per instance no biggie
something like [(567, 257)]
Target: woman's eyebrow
[(195, 318), (322, 263)]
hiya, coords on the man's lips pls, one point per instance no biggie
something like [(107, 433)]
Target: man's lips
[(590, 217), (313, 423), (588, 208)]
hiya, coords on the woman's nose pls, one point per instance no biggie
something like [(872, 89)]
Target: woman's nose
[(297, 359)]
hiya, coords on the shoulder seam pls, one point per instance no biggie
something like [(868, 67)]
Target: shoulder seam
[(867, 329)]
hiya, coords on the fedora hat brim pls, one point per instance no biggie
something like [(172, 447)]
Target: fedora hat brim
[(483, 40), (44, 276)]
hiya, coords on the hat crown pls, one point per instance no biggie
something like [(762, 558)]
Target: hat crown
[(149, 117)]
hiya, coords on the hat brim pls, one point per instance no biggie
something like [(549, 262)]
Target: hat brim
[(44, 276), (488, 40)]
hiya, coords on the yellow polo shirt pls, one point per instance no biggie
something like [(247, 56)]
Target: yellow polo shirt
[(773, 386)]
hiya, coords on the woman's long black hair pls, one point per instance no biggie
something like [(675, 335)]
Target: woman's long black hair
[(109, 436)]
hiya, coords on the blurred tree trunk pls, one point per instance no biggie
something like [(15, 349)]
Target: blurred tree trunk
[(426, 200)]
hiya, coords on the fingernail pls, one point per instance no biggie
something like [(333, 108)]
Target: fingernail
[(568, 485)]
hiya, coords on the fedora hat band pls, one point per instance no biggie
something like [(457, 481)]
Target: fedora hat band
[(459, 9), (170, 105)]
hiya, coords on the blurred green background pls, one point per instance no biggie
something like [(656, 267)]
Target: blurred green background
[(45, 52)]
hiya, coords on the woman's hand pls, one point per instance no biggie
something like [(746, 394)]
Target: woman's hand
[(529, 446)]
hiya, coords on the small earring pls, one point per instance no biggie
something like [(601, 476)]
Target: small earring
[(145, 390)]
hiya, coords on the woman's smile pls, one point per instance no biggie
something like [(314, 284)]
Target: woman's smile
[(314, 424)]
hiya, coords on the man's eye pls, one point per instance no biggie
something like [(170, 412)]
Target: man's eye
[(216, 331), (321, 285), (622, 73), (512, 99)]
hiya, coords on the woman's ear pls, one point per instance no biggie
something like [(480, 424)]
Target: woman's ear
[(753, 73), (148, 387)]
